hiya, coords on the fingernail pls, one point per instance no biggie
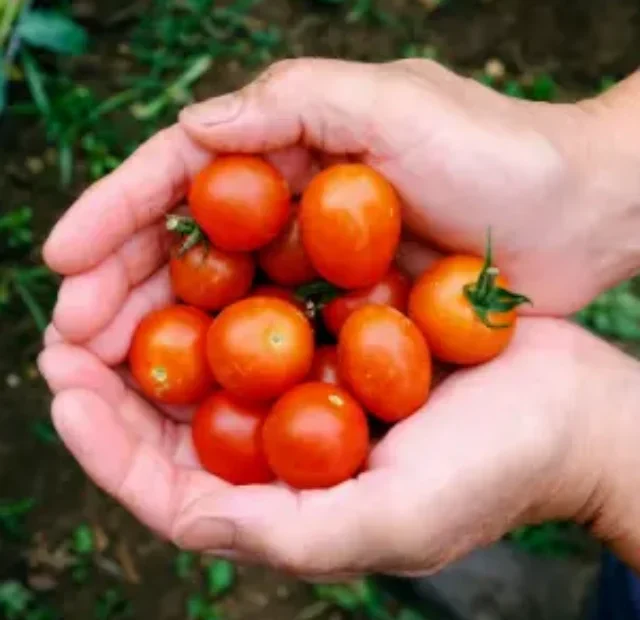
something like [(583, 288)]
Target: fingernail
[(206, 534), (213, 112)]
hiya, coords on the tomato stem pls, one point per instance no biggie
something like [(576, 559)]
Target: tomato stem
[(485, 296), (187, 228)]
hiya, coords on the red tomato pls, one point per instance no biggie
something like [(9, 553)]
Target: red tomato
[(325, 365), (240, 201), (209, 278), (350, 218), (279, 292), (448, 306), (260, 347), (384, 360), (393, 290), (227, 438), (168, 355), (285, 260), (316, 436)]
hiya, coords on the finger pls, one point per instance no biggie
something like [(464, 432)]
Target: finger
[(89, 301), (131, 198), (414, 257), (328, 105), (51, 336), (296, 164)]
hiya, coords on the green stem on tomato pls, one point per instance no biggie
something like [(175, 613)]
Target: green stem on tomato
[(188, 228), (485, 296)]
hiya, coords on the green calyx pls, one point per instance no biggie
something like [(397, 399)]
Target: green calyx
[(186, 227), (486, 297)]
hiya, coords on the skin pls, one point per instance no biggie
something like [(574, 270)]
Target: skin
[(454, 331), (227, 439), (392, 290), (325, 365), (242, 202), (316, 436), (209, 278), (260, 347), (168, 355), (384, 360), (559, 186), (350, 221)]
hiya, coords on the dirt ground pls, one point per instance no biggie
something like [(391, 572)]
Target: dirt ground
[(577, 41)]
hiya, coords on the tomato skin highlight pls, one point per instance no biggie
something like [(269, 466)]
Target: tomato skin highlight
[(385, 362), (260, 347), (316, 436), (209, 278), (393, 290), (240, 201), (168, 358), (439, 308), (227, 436), (285, 259), (325, 365), (350, 218)]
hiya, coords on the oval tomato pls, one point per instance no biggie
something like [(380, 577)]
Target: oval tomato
[(260, 347), (227, 438), (209, 278), (464, 321), (350, 220), (285, 260), (393, 290), (240, 201), (279, 292), (168, 355), (325, 365), (384, 360), (316, 436)]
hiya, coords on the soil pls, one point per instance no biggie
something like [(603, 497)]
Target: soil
[(576, 41)]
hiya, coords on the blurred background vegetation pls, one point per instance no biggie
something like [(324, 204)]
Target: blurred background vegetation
[(82, 83)]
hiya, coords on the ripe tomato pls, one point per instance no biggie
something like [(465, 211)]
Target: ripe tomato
[(325, 365), (393, 290), (285, 260), (350, 219), (168, 355), (384, 360), (240, 201), (211, 279), (227, 438), (466, 317), (279, 292), (260, 347), (316, 436)]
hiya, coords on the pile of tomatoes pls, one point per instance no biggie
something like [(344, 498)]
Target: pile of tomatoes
[(295, 324)]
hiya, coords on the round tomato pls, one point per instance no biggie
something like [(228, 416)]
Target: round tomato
[(285, 260), (240, 201), (384, 360), (260, 347), (393, 290), (209, 278), (227, 438), (168, 355), (316, 436), (325, 365), (463, 308), (279, 292), (350, 219)]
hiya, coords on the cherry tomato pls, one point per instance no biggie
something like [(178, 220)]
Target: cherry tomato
[(350, 220), (168, 355), (279, 292), (227, 437), (393, 290), (316, 436), (211, 279), (260, 347), (385, 362), (458, 315), (325, 365), (240, 201), (285, 260)]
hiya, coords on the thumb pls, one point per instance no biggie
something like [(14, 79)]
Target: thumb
[(328, 105)]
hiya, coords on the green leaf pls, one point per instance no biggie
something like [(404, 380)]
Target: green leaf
[(221, 575), (513, 89), (14, 599), (543, 88), (52, 31), (341, 596), (4, 84), (83, 540), (184, 564)]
